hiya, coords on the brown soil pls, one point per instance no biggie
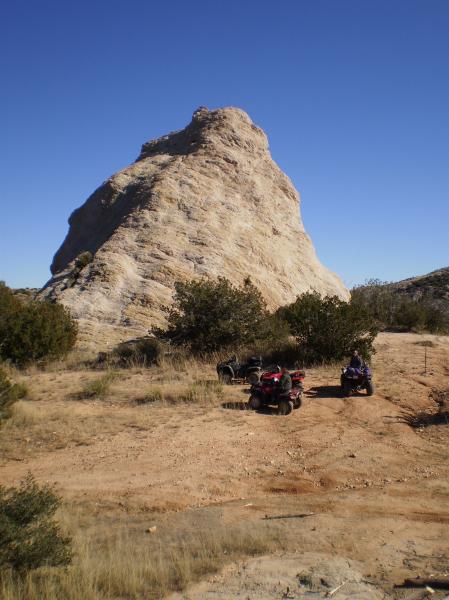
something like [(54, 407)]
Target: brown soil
[(378, 488)]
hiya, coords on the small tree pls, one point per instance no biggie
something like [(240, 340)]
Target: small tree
[(328, 329), (208, 316), (437, 320), (29, 536), (377, 298), (35, 330)]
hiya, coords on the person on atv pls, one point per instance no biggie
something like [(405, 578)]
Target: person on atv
[(285, 384), (356, 361)]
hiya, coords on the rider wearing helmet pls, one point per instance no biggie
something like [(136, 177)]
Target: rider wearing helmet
[(356, 361)]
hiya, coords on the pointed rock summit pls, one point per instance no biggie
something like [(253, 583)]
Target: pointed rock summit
[(202, 202)]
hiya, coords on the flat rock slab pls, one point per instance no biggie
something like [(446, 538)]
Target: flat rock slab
[(308, 575)]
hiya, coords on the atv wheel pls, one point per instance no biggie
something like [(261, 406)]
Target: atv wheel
[(369, 388), (254, 403), (347, 389), (225, 378), (285, 407), (297, 403), (253, 378)]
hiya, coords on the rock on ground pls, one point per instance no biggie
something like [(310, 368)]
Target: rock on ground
[(304, 575)]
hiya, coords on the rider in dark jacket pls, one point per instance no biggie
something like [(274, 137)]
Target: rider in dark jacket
[(285, 382), (356, 361)]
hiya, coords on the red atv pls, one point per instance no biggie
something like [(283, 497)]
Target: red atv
[(265, 393)]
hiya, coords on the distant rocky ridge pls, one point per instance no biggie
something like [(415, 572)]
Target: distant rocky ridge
[(433, 288), (206, 201)]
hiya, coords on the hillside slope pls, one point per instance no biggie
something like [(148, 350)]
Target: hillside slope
[(432, 287)]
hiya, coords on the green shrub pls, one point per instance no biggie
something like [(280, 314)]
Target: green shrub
[(83, 260), (29, 536), (379, 300), (9, 393), (437, 320), (10, 306), (209, 316), (34, 331), (410, 316), (145, 351), (328, 329)]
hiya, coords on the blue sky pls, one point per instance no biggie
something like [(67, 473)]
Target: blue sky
[(353, 94)]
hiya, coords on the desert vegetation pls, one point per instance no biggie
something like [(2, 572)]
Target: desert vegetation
[(30, 537), (210, 317), (135, 565), (33, 331), (328, 329), (138, 436), (391, 308), (132, 537)]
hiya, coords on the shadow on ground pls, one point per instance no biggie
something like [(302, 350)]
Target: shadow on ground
[(423, 419), (265, 410), (324, 391)]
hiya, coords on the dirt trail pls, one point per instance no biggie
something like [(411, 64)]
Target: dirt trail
[(379, 488)]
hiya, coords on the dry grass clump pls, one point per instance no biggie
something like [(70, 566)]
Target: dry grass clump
[(34, 427), (207, 392), (98, 388), (203, 392), (152, 396), (134, 565)]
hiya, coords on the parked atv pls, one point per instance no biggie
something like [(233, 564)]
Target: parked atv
[(355, 380), (231, 371), (265, 393)]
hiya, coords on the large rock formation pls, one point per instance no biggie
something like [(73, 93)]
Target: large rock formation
[(201, 202)]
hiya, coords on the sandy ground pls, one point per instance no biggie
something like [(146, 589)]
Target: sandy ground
[(378, 488)]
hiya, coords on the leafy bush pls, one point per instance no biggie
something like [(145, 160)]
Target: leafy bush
[(10, 306), (377, 298), (410, 316), (29, 536), (437, 321), (83, 260), (328, 329), (146, 351), (208, 316), (9, 393), (33, 331)]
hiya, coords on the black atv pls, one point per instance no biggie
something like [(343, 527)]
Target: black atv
[(355, 380), (232, 371)]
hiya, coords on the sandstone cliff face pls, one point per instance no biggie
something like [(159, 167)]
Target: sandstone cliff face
[(202, 202)]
